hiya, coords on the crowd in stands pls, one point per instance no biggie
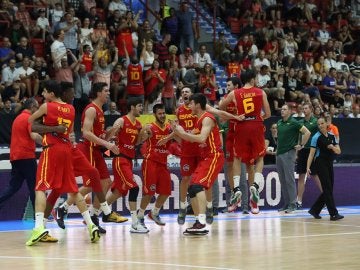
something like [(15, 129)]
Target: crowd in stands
[(302, 51)]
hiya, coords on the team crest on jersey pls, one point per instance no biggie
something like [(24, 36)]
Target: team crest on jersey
[(153, 187), (186, 167)]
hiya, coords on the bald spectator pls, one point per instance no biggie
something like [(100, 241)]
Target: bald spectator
[(112, 109)]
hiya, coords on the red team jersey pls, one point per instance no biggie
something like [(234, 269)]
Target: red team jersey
[(208, 90), (98, 125), (233, 69), (128, 136), (212, 156), (231, 108), (212, 145), (249, 144), (58, 114), (249, 102), (153, 151), (187, 121), (135, 84), (55, 170)]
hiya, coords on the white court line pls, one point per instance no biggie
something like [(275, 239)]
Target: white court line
[(329, 223), (317, 235), (114, 261)]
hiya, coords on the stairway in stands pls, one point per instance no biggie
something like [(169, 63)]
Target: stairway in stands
[(208, 30)]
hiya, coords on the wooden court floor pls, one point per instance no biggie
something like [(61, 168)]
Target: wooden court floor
[(266, 241)]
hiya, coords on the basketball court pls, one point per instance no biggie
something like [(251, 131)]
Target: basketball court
[(270, 240)]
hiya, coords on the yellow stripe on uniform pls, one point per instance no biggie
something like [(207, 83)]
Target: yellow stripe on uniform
[(118, 170)]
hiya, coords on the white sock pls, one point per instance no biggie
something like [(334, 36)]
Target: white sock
[(45, 222), (202, 218), (141, 213), (87, 218), (39, 220), (134, 217), (156, 211), (94, 211), (65, 205), (105, 208), (209, 205), (258, 178), (183, 205), (236, 181)]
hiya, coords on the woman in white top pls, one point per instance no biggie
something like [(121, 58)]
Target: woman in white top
[(85, 33), (149, 55)]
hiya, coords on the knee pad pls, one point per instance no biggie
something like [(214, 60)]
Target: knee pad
[(194, 189), (133, 194)]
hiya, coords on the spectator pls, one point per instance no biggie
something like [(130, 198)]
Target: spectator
[(82, 86), (355, 112), (172, 79), (24, 49), (112, 109), (290, 48), (9, 73), (56, 13), (171, 25), (261, 61), (26, 74), (207, 83), (103, 69), (41, 74), (186, 61), (6, 53), (188, 29), (8, 108), (329, 61), (202, 57), (222, 49), (146, 33), (355, 69), (271, 145), (299, 62), (42, 24), (117, 5), (322, 35), (149, 55), (71, 29), (329, 86), (24, 17), (154, 78), (161, 49), (58, 49)]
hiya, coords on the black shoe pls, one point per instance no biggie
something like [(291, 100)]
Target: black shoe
[(215, 211), (95, 220), (336, 217), (245, 212), (316, 216), (60, 214), (189, 210), (209, 215)]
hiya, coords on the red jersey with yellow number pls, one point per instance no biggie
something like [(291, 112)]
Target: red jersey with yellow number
[(233, 69), (135, 84), (212, 145), (153, 151), (58, 114), (187, 121), (98, 127), (249, 101), (128, 136)]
